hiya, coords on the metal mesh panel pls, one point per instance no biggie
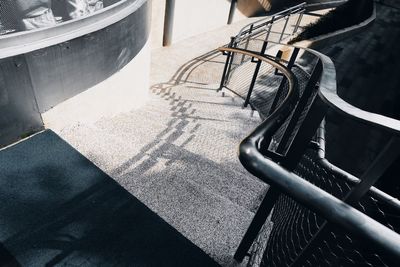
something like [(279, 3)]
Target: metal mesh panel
[(294, 235), (8, 17), (302, 78), (267, 82), (265, 86), (295, 227)]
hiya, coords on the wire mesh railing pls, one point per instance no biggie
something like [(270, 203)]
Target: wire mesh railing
[(253, 36), (296, 235), (295, 225)]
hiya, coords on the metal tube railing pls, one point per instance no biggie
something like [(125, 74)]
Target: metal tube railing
[(257, 28), (332, 209), (275, 169), (347, 177)]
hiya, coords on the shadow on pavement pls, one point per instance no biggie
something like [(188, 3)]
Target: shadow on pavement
[(59, 208)]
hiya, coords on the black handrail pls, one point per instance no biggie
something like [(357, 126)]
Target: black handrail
[(335, 211), (347, 177), (250, 29), (332, 209), (278, 117)]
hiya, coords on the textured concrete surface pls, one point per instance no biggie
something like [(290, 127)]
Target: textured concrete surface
[(58, 209), (178, 153), (178, 156)]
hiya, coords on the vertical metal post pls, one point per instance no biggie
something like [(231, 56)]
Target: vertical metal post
[(384, 160), (301, 106), (296, 27), (227, 63), (168, 22), (253, 80), (284, 28), (233, 44), (247, 41), (278, 58), (269, 28), (231, 11), (283, 82), (255, 226), (305, 133)]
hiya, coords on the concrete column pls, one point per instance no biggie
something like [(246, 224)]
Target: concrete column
[(168, 22), (232, 11)]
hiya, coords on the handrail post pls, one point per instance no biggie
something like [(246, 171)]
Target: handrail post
[(301, 106), (296, 27), (284, 28), (283, 82), (253, 80), (233, 44), (227, 62), (278, 58), (247, 41), (258, 220), (269, 31)]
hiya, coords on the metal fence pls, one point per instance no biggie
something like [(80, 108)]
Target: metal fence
[(314, 214), (253, 36)]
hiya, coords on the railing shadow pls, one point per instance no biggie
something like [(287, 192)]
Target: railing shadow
[(57, 207)]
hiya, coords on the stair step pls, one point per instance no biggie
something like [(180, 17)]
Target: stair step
[(112, 149), (178, 155)]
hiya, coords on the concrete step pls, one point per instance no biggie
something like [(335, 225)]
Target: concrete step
[(215, 147), (178, 155), (211, 204)]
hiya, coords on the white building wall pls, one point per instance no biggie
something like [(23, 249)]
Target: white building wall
[(193, 17)]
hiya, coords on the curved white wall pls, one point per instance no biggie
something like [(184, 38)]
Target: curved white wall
[(124, 91)]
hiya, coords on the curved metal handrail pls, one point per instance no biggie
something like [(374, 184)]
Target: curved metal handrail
[(332, 209), (314, 198), (277, 118), (327, 82), (28, 41), (328, 93), (268, 20), (347, 177)]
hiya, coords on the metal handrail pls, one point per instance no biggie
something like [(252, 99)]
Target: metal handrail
[(335, 211), (332, 209), (278, 117), (347, 177), (317, 200), (328, 93), (268, 20)]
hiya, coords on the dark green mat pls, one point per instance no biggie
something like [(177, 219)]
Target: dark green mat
[(58, 209)]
